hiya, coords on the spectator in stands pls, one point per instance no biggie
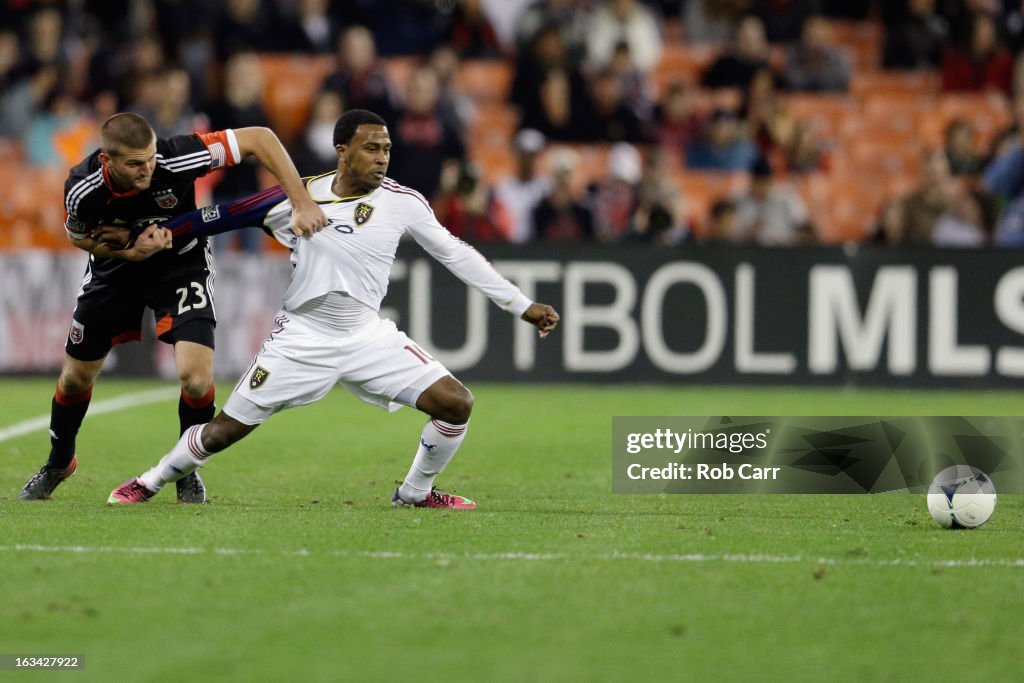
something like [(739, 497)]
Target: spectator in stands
[(239, 106), (961, 224), (34, 68), (771, 213), (747, 55), (713, 21), (61, 133), (550, 93), (422, 141), (614, 199), (467, 207), (723, 224), (961, 148), (521, 193), (609, 117), (469, 32), (768, 122), (455, 107), (983, 64), (310, 30), (933, 196), (891, 227), (245, 25), (676, 120), (723, 146), (1004, 178), (634, 84), (10, 55), (628, 21), (569, 18), (805, 152), (1013, 134), (358, 78), (917, 39), (561, 216), (813, 64), (658, 217), (314, 153), (784, 19), (134, 76), (171, 112)]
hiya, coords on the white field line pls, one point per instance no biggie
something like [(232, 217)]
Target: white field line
[(694, 558), (109, 405)]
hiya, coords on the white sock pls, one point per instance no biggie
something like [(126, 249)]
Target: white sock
[(438, 443), (186, 457)]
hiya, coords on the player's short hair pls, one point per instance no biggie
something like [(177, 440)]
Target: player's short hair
[(346, 126), (125, 131)]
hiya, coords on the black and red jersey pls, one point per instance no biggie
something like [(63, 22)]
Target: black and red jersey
[(91, 201)]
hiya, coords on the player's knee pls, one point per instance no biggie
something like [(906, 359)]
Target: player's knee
[(457, 406), (75, 379), (196, 382)]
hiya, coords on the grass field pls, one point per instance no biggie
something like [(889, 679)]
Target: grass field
[(301, 571)]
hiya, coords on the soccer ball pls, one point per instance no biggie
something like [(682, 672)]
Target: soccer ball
[(961, 497)]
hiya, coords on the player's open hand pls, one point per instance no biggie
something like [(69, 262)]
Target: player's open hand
[(308, 219), (543, 317)]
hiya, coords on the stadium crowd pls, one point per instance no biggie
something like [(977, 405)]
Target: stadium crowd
[(677, 122)]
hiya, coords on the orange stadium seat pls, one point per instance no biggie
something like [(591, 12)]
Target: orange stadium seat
[(827, 112), (899, 83), (290, 82), (495, 125), (486, 80), (681, 62), (861, 39)]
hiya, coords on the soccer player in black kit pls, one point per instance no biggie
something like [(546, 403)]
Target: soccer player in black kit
[(135, 181)]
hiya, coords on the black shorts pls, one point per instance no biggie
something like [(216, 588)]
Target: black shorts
[(109, 311)]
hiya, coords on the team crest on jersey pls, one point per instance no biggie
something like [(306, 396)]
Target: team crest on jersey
[(258, 378), (363, 213), (77, 332), (165, 199)]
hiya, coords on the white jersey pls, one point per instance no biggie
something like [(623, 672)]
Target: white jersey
[(355, 252)]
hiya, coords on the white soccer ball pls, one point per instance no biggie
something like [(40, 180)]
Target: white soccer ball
[(961, 497)]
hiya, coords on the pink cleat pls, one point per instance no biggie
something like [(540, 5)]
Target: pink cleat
[(133, 491), (436, 499)]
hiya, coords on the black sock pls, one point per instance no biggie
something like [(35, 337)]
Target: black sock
[(66, 414), (195, 411)]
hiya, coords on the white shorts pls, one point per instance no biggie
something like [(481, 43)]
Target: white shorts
[(300, 362)]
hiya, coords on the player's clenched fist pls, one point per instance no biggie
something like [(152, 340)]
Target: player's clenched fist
[(543, 317)]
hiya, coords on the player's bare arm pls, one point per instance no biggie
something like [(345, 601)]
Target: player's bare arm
[(111, 243), (307, 216), (543, 317)]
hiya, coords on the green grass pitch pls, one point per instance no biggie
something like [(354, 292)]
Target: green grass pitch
[(300, 570)]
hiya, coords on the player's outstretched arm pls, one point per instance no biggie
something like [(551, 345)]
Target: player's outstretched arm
[(543, 317), (307, 217)]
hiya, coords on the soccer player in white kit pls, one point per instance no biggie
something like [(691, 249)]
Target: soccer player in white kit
[(328, 331)]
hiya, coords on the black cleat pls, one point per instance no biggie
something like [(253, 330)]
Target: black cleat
[(40, 485), (191, 489)]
